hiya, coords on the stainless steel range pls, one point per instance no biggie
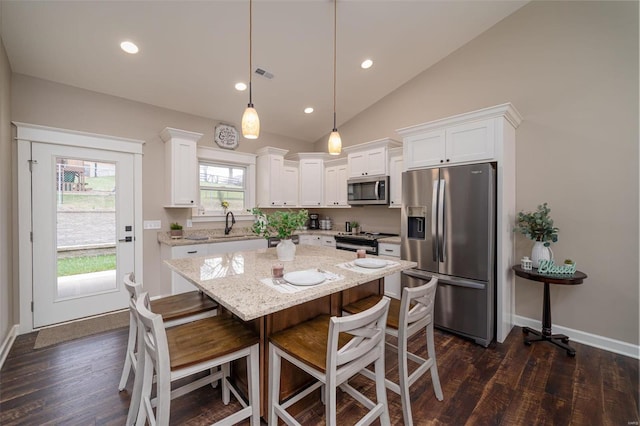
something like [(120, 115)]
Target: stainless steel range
[(368, 241)]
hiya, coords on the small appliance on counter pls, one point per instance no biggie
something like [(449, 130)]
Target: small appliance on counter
[(314, 221), (326, 223)]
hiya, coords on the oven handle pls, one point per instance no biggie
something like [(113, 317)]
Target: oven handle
[(354, 247)]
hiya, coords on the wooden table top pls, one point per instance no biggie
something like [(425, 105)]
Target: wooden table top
[(566, 279)]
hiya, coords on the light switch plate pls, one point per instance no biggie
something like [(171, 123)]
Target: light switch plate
[(189, 223), (152, 224)]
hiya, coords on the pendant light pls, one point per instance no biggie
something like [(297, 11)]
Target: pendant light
[(335, 143), (250, 119)]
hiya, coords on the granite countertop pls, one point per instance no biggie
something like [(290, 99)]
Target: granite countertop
[(208, 236), (233, 279), (390, 240)]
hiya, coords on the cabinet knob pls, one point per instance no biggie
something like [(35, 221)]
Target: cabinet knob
[(447, 160), (442, 161), (191, 201)]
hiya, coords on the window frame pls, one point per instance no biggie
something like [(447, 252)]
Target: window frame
[(223, 157)]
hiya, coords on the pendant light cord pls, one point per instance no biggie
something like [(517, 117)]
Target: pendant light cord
[(335, 31), (250, 47)]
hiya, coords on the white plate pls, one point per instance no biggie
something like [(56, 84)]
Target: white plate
[(370, 263), (304, 277)]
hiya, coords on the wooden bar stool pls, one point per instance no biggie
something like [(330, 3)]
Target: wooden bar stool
[(406, 318), (175, 310), (181, 351), (332, 350)]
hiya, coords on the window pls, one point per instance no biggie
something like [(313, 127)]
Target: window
[(222, 182)]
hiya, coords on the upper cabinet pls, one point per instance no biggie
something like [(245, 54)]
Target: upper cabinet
[(310, 178), (290, 183), (181, 167), (335, 183), (395, 177), (465, 138), (370, 158), (270, 182)]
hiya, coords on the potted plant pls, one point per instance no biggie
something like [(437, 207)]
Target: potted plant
[(225, 205), (175, 230), (355, 227), (538, 226), (279, 224)]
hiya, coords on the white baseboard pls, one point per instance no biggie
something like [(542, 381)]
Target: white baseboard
[(7, 343), (601, 342)]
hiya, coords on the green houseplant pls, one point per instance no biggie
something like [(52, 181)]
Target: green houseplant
[(355, 226), (280, 224), (175, 230), (538, 226)]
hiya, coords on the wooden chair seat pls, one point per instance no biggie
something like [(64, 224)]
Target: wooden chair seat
[(201, 340), (182, 305), (308, 341)]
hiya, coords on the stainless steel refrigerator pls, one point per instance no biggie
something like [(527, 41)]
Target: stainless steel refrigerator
[(449, 229)]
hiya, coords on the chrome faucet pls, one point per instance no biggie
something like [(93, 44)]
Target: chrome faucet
[(227, 228)]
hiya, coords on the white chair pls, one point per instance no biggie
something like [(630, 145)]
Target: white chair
[(175, 310), (332, 349), (181, 351), (406, 318)]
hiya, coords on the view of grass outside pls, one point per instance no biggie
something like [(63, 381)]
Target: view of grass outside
[(86, 264), (100, 196)]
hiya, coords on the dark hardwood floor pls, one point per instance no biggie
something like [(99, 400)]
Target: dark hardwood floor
[(75, 383)]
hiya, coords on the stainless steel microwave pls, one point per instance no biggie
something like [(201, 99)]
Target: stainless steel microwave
[(368, 190)]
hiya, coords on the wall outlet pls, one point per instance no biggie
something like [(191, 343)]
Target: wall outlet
[(152, 224), (189, 223)]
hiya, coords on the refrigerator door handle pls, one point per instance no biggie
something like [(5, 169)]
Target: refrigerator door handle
[(434, 221), (441, 224)]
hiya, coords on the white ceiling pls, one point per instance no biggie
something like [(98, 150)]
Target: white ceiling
[(193, 52)]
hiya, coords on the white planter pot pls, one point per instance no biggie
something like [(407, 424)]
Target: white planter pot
[(286, 250), (540, 252)]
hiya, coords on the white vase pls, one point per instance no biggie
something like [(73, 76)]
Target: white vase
[(286, 250), (540, 252)]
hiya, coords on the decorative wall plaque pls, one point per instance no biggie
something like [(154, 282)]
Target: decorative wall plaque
[(226, 136)]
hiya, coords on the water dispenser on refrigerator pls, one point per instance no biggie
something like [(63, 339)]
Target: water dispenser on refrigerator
[(416, 222)]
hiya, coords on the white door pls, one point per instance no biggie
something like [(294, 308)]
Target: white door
[(83, 231)]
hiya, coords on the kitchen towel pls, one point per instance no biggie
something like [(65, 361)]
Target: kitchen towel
[(284, 287)]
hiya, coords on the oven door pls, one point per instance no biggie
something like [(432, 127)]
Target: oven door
[(342, 245)]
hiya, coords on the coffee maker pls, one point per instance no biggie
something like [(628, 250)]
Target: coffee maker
[(314, 221)]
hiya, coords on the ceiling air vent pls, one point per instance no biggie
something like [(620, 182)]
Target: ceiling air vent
[(264, 73)]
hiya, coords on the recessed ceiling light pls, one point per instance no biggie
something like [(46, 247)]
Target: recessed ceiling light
[(129, 47), (308, 110), (241, 87), (366, 64)]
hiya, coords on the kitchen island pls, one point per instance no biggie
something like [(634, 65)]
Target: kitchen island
[(235, 281)]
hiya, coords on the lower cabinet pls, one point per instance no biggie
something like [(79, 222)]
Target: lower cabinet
[(181, 285), (392, 287), (310, 240)]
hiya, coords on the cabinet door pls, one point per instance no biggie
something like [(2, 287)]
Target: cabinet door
[(395, 181), (330, 186), (311, 182), (392, 283), (290, 186), (328, 241), (276, 191), (470, 142), (357, 164), (184, 173), (424, 150), (376, 162), (341, 185), (178, 283)]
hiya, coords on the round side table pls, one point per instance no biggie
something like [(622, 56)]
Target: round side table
[(545, 335)]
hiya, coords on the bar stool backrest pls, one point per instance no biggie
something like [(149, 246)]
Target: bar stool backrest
[(416, 308)]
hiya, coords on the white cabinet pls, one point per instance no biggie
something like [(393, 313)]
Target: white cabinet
[(181, 167), (290, 188), (327, 241), (179, 284), (310, 178), (335, 183), (370, 158), (395, 177), (468, 142), (270, 182), (310, 240), (392, 286)]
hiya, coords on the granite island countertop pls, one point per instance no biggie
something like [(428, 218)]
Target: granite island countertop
[(233, 279)]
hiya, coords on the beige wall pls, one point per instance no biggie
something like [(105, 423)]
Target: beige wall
[(571, 69), (50, 104), (7, 319)]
